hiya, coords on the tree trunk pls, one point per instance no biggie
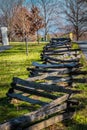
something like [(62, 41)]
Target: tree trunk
[(37, 37), (26, 42)]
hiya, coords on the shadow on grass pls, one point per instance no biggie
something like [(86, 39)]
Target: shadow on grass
[(6, 109), (73, 125), (83, 103), (10, 110), (79, 120)]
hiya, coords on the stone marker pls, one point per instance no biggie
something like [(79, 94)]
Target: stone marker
[(4, 36)]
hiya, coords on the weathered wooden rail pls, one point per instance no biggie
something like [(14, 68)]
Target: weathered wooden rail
[(45, 80), (25, 121)]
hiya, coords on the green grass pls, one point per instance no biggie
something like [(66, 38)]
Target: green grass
[(75, 45), (14, 62), (79, 120)]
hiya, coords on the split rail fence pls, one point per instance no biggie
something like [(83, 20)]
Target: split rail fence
[(53, 80)]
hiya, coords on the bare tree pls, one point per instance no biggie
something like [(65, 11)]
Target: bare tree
[(76, 13), (49, 12), (7, 12), (6, 9)]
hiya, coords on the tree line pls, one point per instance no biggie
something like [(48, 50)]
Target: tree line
[(24, 18)]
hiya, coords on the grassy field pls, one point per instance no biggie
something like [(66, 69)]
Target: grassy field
[(14, 62)]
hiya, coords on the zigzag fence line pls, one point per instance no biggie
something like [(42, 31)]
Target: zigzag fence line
[(53, 79)]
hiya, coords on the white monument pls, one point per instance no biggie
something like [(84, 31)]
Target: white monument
[(4, 36)]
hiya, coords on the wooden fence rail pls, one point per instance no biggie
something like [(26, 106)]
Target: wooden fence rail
[(45, 81)]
